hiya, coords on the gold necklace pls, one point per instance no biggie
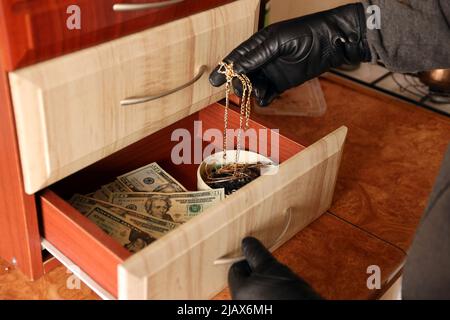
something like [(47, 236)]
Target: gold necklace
[(230, 74)]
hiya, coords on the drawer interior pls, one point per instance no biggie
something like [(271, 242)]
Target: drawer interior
[(86, 244), (157, 148)]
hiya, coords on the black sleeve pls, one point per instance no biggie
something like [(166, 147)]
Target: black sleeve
[(427, 269), (414, 35)]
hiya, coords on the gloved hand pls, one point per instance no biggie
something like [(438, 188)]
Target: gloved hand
[(262, 277), (286, 54)]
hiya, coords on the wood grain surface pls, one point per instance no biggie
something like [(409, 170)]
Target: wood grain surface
[(330, 253), (68, 110), (59, 284), (393, 153), (306, 100), (333, 256), (18, 216), (34, 31)]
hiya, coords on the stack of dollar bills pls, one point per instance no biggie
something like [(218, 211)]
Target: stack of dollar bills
[(143, 205)]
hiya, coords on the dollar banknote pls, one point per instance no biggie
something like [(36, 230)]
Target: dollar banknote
[(112, 187), (150, 178), (143, 205), (105, 192), (116, 186), (153, 225), (83, 204), (128, 235), (176, 207), (100, 194)]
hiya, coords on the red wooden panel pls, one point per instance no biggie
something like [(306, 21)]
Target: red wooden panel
[(213, 117), (36, 30), (91, 249), (18, 218), (50, 264)]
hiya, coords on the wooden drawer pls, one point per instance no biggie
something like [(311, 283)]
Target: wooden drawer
[(34, 31), (192, 261), (68, 110)]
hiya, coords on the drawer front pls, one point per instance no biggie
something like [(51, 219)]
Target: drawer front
[(38, 30), (192, 263), (68, 110)]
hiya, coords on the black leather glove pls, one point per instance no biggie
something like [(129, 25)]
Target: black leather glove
[(286, 54), (262, 277)]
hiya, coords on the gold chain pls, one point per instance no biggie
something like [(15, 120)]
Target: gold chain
[(228, 71)]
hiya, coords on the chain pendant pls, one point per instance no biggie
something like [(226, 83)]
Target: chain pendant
[(230, 74)]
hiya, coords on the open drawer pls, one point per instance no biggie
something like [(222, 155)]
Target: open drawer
[(192, 261)]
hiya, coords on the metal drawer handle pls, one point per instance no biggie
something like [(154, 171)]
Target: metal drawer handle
[(288, 214), (143, 6), (137, 100)]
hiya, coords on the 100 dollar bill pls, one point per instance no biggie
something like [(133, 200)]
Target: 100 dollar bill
[(150, 178), (176, 207)]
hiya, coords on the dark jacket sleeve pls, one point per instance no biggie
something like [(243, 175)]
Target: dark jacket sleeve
[(427, 270), (414, 35)]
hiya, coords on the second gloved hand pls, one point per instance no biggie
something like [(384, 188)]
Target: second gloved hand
[(286, 54), (262, 277)]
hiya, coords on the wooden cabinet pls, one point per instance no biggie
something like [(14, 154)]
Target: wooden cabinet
[(76, 109), (84, 118), (33, 31)]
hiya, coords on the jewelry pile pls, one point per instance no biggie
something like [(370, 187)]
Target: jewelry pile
[(234, 175)]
